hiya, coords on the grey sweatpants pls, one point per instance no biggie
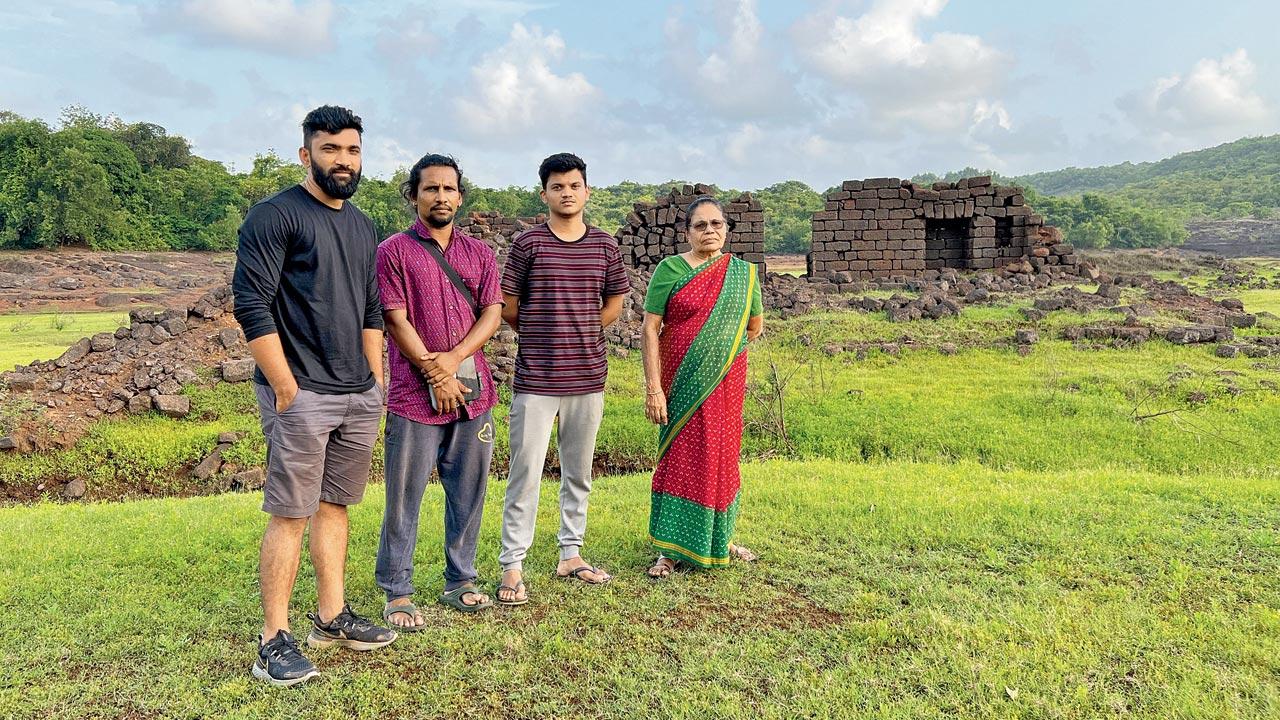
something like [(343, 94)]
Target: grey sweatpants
[(461, 450), (530, 422)]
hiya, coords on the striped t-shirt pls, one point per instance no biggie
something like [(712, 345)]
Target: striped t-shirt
[(561, 286)]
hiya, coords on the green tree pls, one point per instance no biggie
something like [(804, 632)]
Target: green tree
[(25, 147), (270, 174), (78, 206), (197, 206), (153, 146), (381, 201), (788, 211)]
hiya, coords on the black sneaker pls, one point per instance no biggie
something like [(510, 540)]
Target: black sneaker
[(348, 630), (281, 663)]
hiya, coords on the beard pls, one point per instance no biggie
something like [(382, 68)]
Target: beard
[(440, 222), (334, 188)]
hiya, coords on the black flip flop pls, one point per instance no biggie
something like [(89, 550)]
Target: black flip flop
[(515, 591), (576, 574)]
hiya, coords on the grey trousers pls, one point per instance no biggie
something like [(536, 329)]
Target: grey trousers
[(462, 451), (531, 420)]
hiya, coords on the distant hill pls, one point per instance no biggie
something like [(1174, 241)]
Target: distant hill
[(1149, 204), (1235, 180)]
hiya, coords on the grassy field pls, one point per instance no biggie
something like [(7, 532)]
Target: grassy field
[(25, 338), (886, 590), (1077, 533), (1058, 408)]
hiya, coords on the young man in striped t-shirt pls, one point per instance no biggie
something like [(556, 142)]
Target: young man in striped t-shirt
[(563, 283)]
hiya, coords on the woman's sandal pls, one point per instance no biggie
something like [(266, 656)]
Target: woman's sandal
[(408, 609), (453, 599), (662, 568), (515, 594)]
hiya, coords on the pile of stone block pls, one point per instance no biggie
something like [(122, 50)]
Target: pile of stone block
[(496, 229), (655, 230)]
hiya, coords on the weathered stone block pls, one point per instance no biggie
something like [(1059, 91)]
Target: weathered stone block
[(175, 406), (238, 370)]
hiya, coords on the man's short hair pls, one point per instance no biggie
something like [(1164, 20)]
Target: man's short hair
[(561, 163), (409, 188), (329, 119)]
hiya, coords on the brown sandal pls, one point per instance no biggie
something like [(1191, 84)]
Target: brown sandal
[(664, 567)]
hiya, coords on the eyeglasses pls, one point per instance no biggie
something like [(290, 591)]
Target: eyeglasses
[(702, 225)]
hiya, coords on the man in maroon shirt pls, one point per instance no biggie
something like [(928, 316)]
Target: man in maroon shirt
[(563, 283), (438, 331)]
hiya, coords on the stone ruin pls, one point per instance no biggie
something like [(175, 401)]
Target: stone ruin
[(655, 230), (496, 229), (882, 227), (143, 367)]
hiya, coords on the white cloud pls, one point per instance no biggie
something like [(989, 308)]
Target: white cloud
[(1215, 101), (277, 26), (741, 77), (519, 93), (741, 144), (996, 140), (933, 82), (156, 80)]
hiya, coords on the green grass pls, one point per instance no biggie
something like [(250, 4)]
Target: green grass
[(1256, 301), (27, 337), (886, 590), (1058, 408), (982, 535)]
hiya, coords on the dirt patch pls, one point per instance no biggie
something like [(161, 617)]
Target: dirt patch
[(1183, 261), (1235, 238), (69, 279)]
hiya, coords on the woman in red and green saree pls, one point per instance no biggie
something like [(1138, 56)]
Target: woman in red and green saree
[(701, 309)]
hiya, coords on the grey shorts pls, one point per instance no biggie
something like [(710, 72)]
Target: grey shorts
[(319, 448)]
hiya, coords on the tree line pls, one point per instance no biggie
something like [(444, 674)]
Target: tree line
[(102, 183)]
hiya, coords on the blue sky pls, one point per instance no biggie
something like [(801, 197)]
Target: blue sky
[(736, 92)]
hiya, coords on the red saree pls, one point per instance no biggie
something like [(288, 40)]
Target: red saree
[(704, 368)]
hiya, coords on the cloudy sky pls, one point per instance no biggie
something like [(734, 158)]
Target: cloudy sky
[(743, 93)]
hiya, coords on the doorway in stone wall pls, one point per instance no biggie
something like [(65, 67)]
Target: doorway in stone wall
[(1004, 233), (946, 243)]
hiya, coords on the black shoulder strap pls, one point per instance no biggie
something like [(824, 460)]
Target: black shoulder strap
[(434, 250)]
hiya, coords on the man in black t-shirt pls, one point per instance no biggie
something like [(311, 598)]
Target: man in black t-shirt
[(306, 294)]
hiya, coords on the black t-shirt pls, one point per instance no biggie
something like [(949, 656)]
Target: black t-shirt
[(307, 272)]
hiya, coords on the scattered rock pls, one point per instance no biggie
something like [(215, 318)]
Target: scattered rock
[(1026, 337), (1108, 291), (102, 342), (252, 479), (140, 403), (174, 325), (209, 465), (174, 406), (21, 382), (1227, 351), (238, 370), (229, 337), (115, 299), (74, 490)]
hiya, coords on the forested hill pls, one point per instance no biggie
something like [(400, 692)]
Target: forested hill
[(1237, 180), (1248, 161), (98, 182)]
